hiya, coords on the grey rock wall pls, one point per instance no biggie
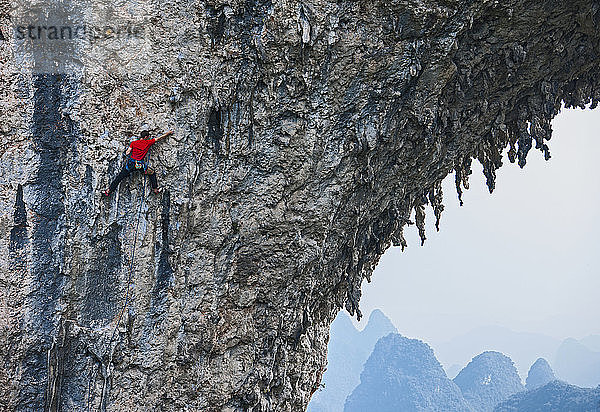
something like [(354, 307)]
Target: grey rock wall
[(305, 135)]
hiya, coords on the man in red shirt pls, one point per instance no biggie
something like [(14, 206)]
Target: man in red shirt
[(137, 151)]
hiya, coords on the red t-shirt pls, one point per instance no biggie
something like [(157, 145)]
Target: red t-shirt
[(140, 148)]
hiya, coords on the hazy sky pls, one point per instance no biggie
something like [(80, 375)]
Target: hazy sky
[(525, 257)]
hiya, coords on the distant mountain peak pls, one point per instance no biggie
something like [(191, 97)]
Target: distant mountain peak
[(555, 396), (377, 313), (488, 379), (577, 364), (342, 320), (348, 350), (379, 322), (539, 374), (403, 374)]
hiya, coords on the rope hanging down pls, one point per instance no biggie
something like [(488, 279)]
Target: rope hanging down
[(125, 304)]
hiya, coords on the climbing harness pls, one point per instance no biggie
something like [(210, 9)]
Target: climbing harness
[(133, 164), (108, 348)]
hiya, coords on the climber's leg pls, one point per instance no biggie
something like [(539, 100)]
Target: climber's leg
[(153, 182), (122, 175)]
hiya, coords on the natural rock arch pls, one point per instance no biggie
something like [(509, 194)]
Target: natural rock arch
[(306, 134)]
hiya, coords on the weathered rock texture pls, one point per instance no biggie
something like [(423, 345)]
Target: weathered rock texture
[(305, 135)]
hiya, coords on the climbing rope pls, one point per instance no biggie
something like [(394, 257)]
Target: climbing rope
[(125, 302)]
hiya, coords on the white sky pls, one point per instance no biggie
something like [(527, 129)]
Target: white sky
[(526, 257)]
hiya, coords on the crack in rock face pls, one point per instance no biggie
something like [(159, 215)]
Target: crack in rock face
[(306, 136)]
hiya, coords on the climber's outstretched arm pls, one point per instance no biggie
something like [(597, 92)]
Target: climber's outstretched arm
[(170, 132)]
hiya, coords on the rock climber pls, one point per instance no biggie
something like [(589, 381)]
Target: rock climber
[(137, 151)]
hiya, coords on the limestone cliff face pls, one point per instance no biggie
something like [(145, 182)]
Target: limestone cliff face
[(305, 134)]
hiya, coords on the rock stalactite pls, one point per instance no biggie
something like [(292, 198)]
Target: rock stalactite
[(308, 135)]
